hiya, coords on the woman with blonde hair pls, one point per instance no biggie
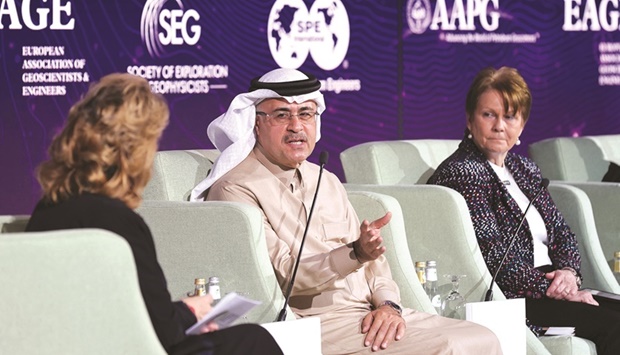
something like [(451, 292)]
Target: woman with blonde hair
[(98, 167)]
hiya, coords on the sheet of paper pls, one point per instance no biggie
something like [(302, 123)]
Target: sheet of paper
[(560, 331), (604, 294), (228, 310)]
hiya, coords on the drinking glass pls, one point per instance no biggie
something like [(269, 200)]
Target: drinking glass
[(453, 305)]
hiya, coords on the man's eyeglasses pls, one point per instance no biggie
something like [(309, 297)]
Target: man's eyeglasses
[(284, 117)]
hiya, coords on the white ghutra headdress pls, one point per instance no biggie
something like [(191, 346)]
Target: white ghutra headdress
[(232, 133)]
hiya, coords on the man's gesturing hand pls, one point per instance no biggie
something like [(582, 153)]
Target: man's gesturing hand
[(368, 246)]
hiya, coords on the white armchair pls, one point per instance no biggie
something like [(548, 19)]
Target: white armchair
[(575, 158), (577, 210), (439, 228), (176, 172), (13, 223), (397, 162), (370, 206), (215, 238), (71, 292), (605, 201)]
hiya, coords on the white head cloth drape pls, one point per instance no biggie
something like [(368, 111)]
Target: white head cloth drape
[(232, 133)]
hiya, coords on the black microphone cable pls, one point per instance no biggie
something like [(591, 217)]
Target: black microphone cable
[(322, 161), (489, 294)]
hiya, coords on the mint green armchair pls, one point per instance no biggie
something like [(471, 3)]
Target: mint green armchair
[(12, 224), (215, 238), (574, 158), (582, 162), (176, 172), (71, 292), (605, 201), (439, 228), (577, 210), (202, 239), (370, 206), (395, 162)]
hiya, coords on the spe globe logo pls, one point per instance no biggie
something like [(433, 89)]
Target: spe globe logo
[(293, 31)]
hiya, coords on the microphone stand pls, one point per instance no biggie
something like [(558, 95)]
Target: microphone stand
[(322, 161), (489, 295)]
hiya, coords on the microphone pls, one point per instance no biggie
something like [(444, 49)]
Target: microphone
[(489, 295), (322, 161)]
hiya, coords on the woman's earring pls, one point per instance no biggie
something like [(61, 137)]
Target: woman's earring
[(470, 136), (518, 142)]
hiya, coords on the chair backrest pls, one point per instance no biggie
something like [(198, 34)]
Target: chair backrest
[(370, 206), (13, 223), (395, 162), (176, 172), (215, 238), (573, 158), (605, 200), (71, 292), (577, 210), (439, 228)]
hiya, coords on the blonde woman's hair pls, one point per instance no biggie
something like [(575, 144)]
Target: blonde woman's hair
[(108, 143)]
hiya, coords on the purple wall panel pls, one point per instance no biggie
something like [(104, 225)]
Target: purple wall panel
[(399, 81), (561, 68)]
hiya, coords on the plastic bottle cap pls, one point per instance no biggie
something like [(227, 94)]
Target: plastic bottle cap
[(200, 281)]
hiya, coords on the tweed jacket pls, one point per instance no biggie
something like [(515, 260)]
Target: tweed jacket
[(496, 215)]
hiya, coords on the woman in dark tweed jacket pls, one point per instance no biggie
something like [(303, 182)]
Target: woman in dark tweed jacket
[(543, 264)]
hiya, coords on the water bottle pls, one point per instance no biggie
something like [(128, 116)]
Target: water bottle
[(214, 288), (420, 270), (199, 287), (431, 285), (617, 265)]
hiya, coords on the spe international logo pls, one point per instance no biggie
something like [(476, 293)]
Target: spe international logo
[(173, 25), (293, 31)]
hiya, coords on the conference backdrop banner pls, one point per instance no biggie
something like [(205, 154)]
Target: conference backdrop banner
[(389, 69)]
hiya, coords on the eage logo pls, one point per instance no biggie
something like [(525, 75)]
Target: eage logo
[(161, 27), (36, 18), (588, 15)]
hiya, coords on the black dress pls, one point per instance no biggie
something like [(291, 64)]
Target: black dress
[(170, 319), (613, 173)]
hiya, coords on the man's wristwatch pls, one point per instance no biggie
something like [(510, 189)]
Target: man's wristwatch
[(574, 272), (394, 305)]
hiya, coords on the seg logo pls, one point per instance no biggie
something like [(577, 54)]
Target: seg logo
[(293, 32), (178, 26), (464, 15)]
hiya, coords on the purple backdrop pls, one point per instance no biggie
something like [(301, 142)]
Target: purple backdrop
[(391, 69)]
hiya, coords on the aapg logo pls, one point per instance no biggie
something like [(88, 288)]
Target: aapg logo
[(171, 22), (453, 15), (419, 15), (293, 32)]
